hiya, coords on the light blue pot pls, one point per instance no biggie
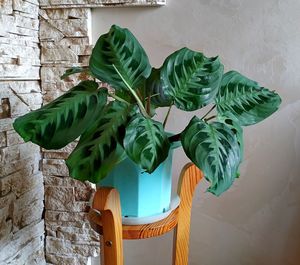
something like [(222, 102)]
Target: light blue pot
[(142, 194)]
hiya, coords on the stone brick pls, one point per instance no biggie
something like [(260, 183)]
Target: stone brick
[(5, 231), (58, 55), (56, 199), (7, 201), (84, 234), (3, 139), (21, 181), (75, 224), (37, 258), (82, 49), (5, 185), (5, 222), (22, 244), (59, 198), (6, 24), (83, 194), (15, 51), (13, 138), (9, 154), (6, 124), (17, 165), (28, 208), (22, 87), (66, 259), (60, 85), (63, 247), (51, 74), (77, 234), (15, 72), (84, 60), (27, 8), (61, 153), (24, 255), (6, 7), (69, 13), (74, 41), (26, 22), (68, 182), (49, 32), (27, 149), (54, 216), (56, 167), (71, 27)]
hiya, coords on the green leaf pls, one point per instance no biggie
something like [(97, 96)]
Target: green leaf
[(60, 122), (98, 150), (245, 99), (74, 70), (146, 143), (215, 150), (155, 89), (191, 79), (232, 123), (121, 49)]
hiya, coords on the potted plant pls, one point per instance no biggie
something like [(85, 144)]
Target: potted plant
[(117, 127)]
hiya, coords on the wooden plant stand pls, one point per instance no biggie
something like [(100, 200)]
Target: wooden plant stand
[(108, 222)]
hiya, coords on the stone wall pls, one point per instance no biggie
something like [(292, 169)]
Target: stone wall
[(21, 182), (64, 43)]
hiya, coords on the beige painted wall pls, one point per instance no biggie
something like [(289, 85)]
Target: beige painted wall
[(256, 221)]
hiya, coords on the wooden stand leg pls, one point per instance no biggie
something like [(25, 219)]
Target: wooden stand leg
[(107, 202), (109, 223), (189, 178)]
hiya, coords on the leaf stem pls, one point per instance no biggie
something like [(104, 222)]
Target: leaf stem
[(117, 98), (175, 138), (167, 116), (211, 109), (151, 96), (148, 105), (138, 100), (210, 118)]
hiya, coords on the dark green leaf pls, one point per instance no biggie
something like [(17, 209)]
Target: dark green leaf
[(190, 79), (215, 150), (121, 49), (155, 89), (64, 119), (232, 123), (98, 150), (74, 70), (245, 99), (146, 143)]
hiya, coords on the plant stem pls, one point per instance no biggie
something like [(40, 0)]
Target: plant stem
[(148, 105), (212, 108), (154, 95), (117, 98), (210, 118), (167, 116), (138, 100), (174, 138)]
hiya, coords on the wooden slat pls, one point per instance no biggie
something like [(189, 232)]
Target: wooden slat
[(151, 230), (138, 231), (107, 202), (189, 178)]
